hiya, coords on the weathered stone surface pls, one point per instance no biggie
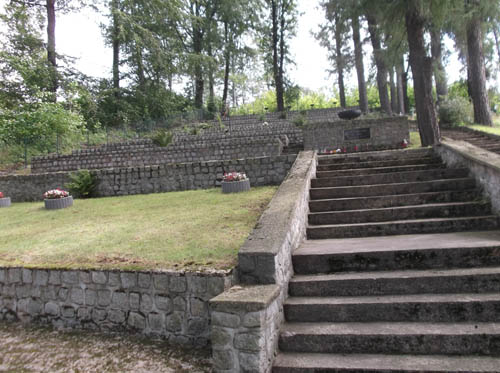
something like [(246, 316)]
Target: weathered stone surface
[(224, 360), (103, 297), (197, 326), (225, 319), (77, 296), (253, 319), (248, 341), (180, 304), (14, 275), (197, 284), (114, 279), (116, 316), (250, 362), (136, 320), (129, 279), (90, 297), (156, 322), (99, 277), (27, 276), (84, 314), (160, 282), (70, 277), (54, 277), (198, 307), (134, 301), (144, 280), (178, 284), (68, 312), (146, 303), (85, 277), (164, 303), (120, 301), (174, 322), (98, 315)]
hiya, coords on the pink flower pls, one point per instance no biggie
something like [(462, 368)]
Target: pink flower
[(1, 195)]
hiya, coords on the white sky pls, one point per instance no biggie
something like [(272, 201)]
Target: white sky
[(79, 35)]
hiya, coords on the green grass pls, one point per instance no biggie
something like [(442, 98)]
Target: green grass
[(415, 140), (194, 229), (495, 129)]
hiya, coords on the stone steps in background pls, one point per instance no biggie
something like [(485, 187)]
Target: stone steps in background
[(376, 163)]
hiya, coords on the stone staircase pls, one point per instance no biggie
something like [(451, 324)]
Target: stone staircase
[(482, 140), (400, 272)]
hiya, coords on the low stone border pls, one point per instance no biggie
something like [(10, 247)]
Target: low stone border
[(58, 203), (171, 305), (246, 319), (236, 186), (483, 165), (5, 202)]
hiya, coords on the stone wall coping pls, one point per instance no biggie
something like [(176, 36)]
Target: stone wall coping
[(274, 225), (473, 153), (359, 121), (177, 273), (245, 298)]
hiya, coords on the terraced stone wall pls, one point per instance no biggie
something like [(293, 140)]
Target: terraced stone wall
[(171, 305), (153, 179), (365, 134)]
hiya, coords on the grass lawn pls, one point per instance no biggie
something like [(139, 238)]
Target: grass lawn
[(190, 230), (495, 129), (415, 140)]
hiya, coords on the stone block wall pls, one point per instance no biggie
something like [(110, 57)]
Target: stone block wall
[(171, 305), (97, 158), (372, 134), (153, 179)]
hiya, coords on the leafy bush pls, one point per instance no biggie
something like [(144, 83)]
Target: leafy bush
[(300, 121), (162, 138), (455, 111), (83, 184)]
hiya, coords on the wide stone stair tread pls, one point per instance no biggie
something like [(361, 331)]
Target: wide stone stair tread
[(436, 281), (460, 307), (370, 363), (392, 338), (378, 170), (374, 155), (391, 177), (358, 203), (430, 210), (392, 189), (377, 164), (398, 227)]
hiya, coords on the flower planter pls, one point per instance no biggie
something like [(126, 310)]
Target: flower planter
[(58, 203), (5, 202), (235, 186)]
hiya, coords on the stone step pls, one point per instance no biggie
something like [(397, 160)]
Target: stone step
[(392, 189), (392, 177), (366, 363), (343, 204), (398, 227), (375, 155), (464, 280), (435, 210), (379, 170), (392, 338), (418, 251), (378, 164), (460, 307)]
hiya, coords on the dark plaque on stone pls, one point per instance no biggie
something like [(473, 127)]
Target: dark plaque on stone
[(349, 114), (357, 134)]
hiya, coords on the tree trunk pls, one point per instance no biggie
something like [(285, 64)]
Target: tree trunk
[(439, 71), (199, 82), (497, 43), (360, 70), (400, 87), (278, 56), (339, 61), (421, 66), (227, 57), (51, 47), (379, 62), (406, 98), (394, 95), (477, 80), (116, 49)]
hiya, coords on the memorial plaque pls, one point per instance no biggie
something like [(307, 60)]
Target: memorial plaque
[(357, 134)]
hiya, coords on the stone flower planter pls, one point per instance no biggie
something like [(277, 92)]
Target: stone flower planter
[(58, 203), (236, 186), (5, 202)]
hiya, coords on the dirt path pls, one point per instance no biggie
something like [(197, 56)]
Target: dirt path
[(38, 349)]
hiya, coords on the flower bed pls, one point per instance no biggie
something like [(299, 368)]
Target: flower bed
[(4, 201), (57, 199), (235, 182)]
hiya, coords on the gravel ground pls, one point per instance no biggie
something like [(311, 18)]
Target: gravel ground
[(39, 349)]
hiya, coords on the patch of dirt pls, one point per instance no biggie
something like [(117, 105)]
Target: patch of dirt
[(39, 349)]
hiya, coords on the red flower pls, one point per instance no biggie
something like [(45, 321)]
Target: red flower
[(1, 195)]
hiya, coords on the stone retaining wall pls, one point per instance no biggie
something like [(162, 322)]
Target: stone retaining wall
[(93, 159), (246, 318), (153, 179), (483, 165), (171, 305), (366, 134)]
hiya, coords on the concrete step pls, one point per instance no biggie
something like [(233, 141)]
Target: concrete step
[(418, 251), (398, 227), (428, 211), (377, 164), (392, 177), (392, 338), (449, 281), (357, 203), (367, 363), (376, 155), (379, 170), (461, 307), (392, 189)]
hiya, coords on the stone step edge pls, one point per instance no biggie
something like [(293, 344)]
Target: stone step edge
[(389, 174)]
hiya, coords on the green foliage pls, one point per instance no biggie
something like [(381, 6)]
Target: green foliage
[(162, 138), (83, 184), (455, 111), (300, 121), (458, 90)]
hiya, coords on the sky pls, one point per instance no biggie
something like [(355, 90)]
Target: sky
[(94, 57)]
